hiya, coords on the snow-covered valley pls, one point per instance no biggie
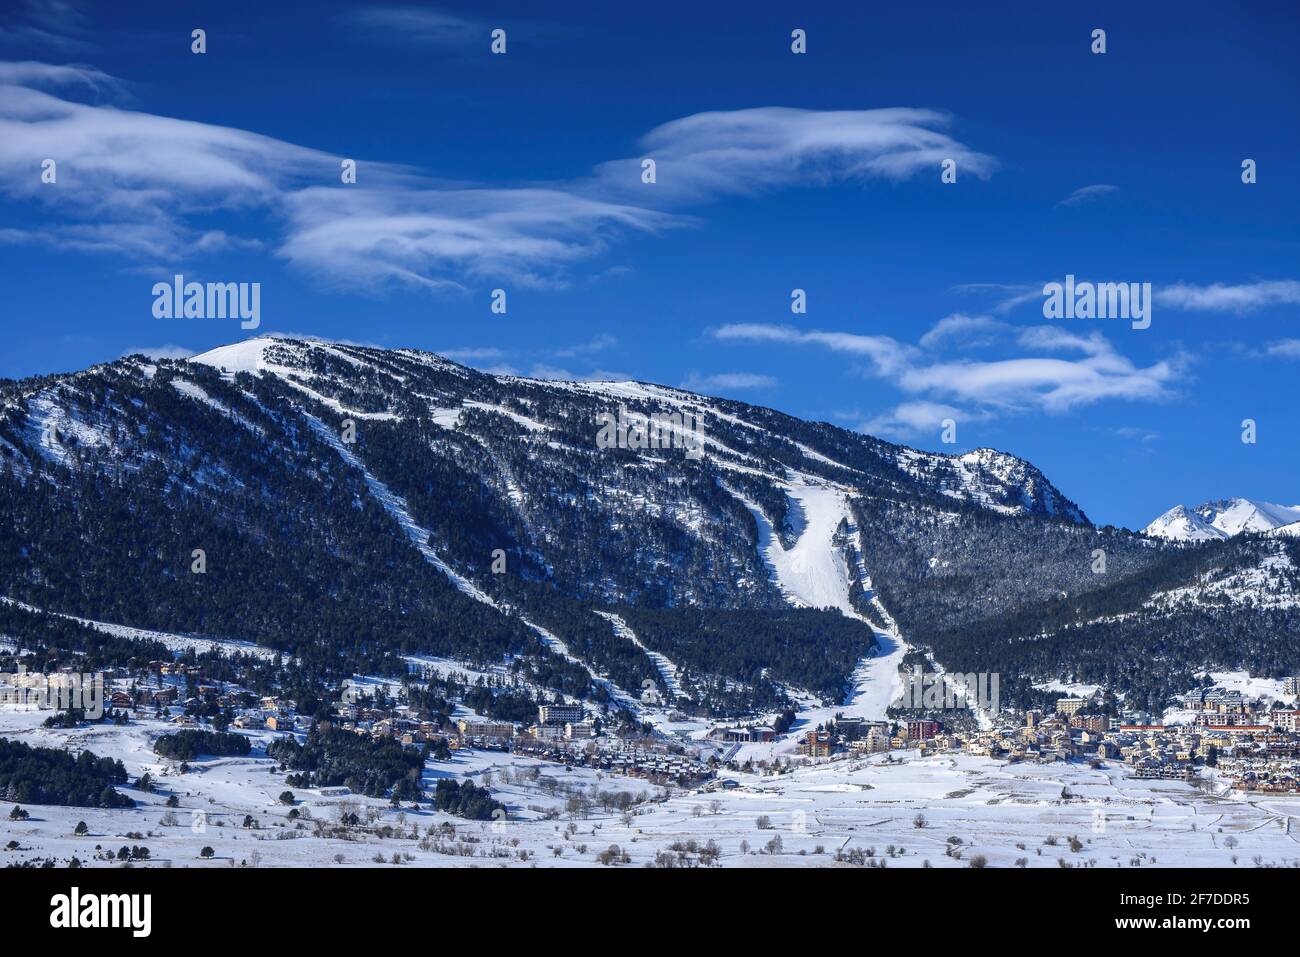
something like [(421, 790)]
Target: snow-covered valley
[(843, 813)]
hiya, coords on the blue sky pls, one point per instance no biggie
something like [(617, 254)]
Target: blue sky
[(775, 171)]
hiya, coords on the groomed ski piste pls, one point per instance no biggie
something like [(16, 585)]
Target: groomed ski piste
[(815, 573)]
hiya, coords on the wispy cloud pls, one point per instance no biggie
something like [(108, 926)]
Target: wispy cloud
[(446, 238), (57, 25), (1088, 194), (886, 355), (472, 354), (1135, 434), (139, 184), (542, 370), (1005, 296), (598, 343), (910, 419), (127, 181), (742, 152), (941, 388), (419, 26), (160, 352), (728, 382), (1220, 297), (1215, 297), (968, 331), (1283, 349)]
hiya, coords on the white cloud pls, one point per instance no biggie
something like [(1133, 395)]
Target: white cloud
[(471, 354), (543, 371), (728, 381), (741, 152), (439, 237), (1088, 194), (1059, 339), (1136, 434), (1284, 349), (1220, 297), (1009, 295), (140, 184), (57, 25), (909, 420), (128, 181), (1008, 385), (32, 73), (967, 331), (160, 352), (1052, 385), (886, 354), (598, 343)]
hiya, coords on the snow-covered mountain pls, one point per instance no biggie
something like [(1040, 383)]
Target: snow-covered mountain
[(1221, 519), (1182, 524), (424, 505), (352, 505)]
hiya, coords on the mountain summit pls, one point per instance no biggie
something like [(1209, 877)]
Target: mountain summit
[(1221, 519)]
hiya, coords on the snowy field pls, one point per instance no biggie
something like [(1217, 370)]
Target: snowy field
[(864, 810)]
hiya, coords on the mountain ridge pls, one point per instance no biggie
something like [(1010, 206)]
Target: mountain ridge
[(356, 505), (1221, 519)]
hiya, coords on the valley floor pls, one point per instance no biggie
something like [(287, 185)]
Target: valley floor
[(857, 809)]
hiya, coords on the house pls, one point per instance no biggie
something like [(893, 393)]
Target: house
[(279, 721)]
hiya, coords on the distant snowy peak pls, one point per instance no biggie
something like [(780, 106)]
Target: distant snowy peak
[(1236, 515), (1181, 524), (1222, 519)]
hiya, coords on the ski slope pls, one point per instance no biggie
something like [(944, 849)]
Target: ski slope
[(418, 535), (815, 573)]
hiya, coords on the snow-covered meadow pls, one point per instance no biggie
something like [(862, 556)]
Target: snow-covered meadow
[(907, 811)]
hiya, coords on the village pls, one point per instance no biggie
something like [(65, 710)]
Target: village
[(1241, 742), (1248, 747)]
